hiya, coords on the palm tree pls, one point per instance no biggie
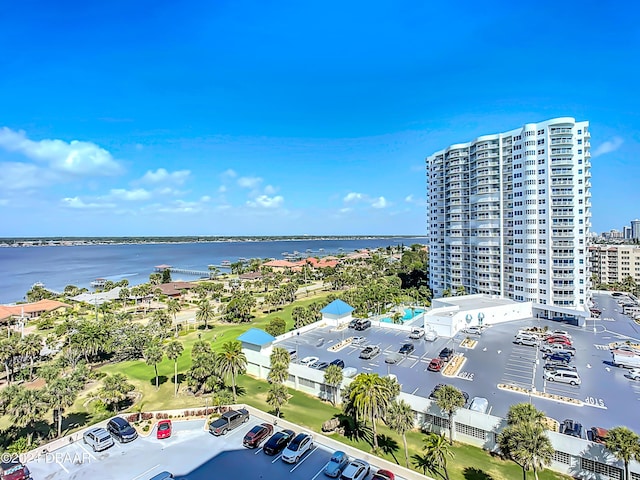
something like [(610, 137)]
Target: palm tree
[(278, 373), (449, 399), (114, 390), (204, 313), (369, 395), (30, 346), (173, 307), (280, 355), (436, 452), (61, 394), (528, 445), (278, 396), (624, 444), (153, 355), (333, 378), (400, 419), (523, 413), (232, 361), (25, 408), (7, 354), (174, 350)]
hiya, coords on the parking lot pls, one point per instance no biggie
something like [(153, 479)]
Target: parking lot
[(607, 395), (191, 453)]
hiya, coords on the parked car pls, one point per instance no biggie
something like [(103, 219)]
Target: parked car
[(557, 339), (383, 475), (369, 352), (121, 430), (597, 434), (446, 354), (571, 427), (336, 464), (11, 468), (559, 366), (349, 372), (393, 358), (320, 365), (479, 404), (163, 476), (406, 349), (278, 442), (337, 362), (353, 323), (433, 394), (634, 374), (473, 330), (359, 340), (526, 339), (356, 470), (293, 354), (430, 336), (564, 333), (562, 376), (417, 333), (307, 361), (301, 444), (435, 365), (363, 325), (558, 357), (228, 421), (557, 347), (98, 439), (163, 429), (257, 434)]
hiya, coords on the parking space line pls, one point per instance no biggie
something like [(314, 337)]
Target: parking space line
[(316, 475), (276, 459), (88, 452), (143, 474), (61, 465), (303, 459), (258, 451)]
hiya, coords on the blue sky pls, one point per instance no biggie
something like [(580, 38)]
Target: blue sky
[(281, 118)]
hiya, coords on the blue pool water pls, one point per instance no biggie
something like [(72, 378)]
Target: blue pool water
[(408, 315)]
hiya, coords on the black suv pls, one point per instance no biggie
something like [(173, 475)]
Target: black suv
[(363, 324), (446, 354), (121, 430), (406, 349)]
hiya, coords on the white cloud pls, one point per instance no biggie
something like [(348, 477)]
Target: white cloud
[(163, 176), (380, 202), (22, 176), (75, 157), (408, 198), (205, 198), (607, 147), (222, 189), (76, 202), (249, 182), (353, 197), (265, 201), (229, 173), (136, 195), (269, 190)]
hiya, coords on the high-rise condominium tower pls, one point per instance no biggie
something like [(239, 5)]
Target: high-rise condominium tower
[(509, 214)]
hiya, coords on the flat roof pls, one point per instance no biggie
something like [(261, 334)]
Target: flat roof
[(468, 302)]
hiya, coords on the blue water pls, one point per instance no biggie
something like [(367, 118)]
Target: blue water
[(407, 315), (58, 266)]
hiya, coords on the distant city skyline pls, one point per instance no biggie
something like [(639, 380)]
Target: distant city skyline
[(246, 118)]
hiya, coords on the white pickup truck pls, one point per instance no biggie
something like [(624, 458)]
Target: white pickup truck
[(623, 358)]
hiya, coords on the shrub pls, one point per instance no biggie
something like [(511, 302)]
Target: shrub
[(147, 416), (132, 418), (146, 428)]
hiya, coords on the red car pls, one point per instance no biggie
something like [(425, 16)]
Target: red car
[(383, 475), (257, 434), (435, 365), (559, 339), (164, 429)]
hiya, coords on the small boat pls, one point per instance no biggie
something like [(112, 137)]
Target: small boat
[(38, 285), (98, 283), (225, 263)]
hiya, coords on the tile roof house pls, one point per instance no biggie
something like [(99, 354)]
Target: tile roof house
[(337, 313), (175, 289), (30, 310)]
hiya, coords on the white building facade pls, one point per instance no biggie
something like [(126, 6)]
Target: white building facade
[(509, 215)]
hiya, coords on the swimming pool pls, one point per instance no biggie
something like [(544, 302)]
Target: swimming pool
[(409, 314)]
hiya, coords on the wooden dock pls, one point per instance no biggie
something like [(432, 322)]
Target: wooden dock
[(188, 271)]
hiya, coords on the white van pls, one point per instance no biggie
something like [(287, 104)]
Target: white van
[(526, 339), (562, 376), (479, 404), (98, 439)]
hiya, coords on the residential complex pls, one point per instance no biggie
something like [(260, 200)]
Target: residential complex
[(615, 263), (509, 215)]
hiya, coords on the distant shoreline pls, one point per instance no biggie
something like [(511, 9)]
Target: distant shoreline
[(20, 242)]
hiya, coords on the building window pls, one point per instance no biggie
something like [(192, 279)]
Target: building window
[(600, 468)]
